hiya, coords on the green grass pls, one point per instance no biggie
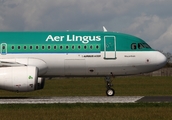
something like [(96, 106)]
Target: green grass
[(137, 111), (124, 86)]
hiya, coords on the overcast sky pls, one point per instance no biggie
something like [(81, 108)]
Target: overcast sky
[(150, 20)]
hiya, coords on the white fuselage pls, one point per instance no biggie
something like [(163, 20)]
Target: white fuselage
[(90, 64)]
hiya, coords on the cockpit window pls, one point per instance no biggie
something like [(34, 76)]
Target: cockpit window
[(133, 46), (146, 45), (140, 46)]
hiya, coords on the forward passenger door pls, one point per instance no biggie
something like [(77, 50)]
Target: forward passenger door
[(109, 47)]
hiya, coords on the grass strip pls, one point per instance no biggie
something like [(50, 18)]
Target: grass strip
[(131, 111), (124, 86)]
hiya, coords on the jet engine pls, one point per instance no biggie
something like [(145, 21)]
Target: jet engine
[(20, 79)]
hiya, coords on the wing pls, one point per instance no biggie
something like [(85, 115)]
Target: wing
[(10, 64), (16, 62)]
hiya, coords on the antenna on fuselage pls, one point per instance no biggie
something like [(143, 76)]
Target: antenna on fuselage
[(104, 29)]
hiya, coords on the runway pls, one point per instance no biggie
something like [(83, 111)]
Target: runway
[(89, 99)]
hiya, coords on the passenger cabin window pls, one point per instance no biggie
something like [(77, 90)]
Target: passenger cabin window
[(55, 47), (97, 47), (37, 47), (13, 47), (24, 47)]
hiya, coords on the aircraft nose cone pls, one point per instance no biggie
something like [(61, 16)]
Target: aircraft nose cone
[(161, 59)]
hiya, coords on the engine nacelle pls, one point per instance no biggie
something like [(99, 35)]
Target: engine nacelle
[(20, 79)]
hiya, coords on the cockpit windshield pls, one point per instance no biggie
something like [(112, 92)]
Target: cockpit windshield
[(145, 45), (139, 46)]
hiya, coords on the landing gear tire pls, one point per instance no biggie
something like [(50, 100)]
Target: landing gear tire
[(110, 92)]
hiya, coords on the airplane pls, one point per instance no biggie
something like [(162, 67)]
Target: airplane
[(28, 58)]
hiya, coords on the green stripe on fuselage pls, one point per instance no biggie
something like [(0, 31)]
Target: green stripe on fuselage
[(67, 42)]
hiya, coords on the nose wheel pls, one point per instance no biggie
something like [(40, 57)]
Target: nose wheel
[(110, 91)]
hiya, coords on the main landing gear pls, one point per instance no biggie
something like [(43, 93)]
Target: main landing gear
[(110, 91)]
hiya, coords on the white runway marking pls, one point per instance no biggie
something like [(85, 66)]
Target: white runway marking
[(51, 100)]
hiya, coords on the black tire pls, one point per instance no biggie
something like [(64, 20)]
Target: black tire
[(110, 92)]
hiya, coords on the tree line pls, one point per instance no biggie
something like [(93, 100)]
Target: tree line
[(169, 59)]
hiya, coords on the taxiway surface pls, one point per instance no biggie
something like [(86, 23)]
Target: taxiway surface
[(97, 99)]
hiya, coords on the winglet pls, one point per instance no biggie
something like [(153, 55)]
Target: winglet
[(104, 29)]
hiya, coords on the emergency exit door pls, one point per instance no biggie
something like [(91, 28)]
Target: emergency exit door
[(3, 48)]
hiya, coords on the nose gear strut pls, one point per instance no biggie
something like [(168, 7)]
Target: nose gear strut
[(110, 91)]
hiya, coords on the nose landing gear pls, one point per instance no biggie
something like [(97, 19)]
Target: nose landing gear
[(110, 91)]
